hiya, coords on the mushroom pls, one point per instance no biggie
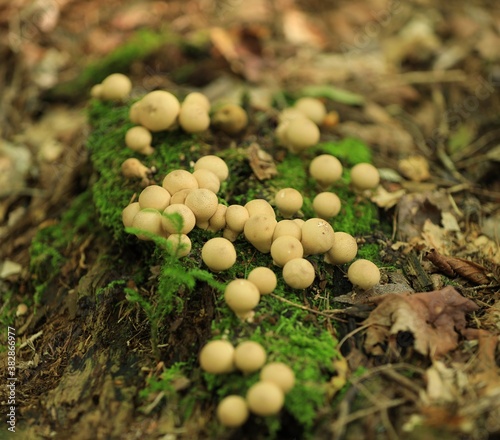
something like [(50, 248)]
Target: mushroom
[(179, 245), (183, 224), (236, 217), (193, 118), (214, 164), (133, 168), (260, 206), (134, 112), (364, 176), (317, 236), (287, 227), (265, 398), (139, 139), (241, 296), (301, 134), (148, 220), (218, 220), (207, 179), (232, 411), (203, 203), (129, 213), (218, 254), (289, 114), (115, 87), (259, 230), (264, 278), (280, 374), (198, 99), (180, 196), (326, 205), (325, 169), (286, 248), (158, 110), (344, 249), (95, 91), (288, 201), (230, 118), (364, 274), (313, 108), (154, 196), (217, 357), (249, 356), (178, 180), (298, 273)]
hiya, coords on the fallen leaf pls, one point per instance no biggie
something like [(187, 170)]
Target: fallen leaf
[(385, 199), (431, 318), (299, 29), (415, 168), (261, 162)]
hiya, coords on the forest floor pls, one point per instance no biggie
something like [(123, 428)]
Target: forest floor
[(412, 87)]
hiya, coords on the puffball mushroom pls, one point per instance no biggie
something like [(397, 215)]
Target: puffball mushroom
[(203, 203), (129, 213), (180, 245), (344, 249), (317, 236), (180, 196), (178, 180), (207, 179), (158, 110), (133, 168), (139, 139), (301, 134), (193, 118), (287, 227), (249, 356), (326, 205), (265, 398), (313, 108), (148, 220), (241, 296), (171, 225), (218, 220), (260, 206), (154, 196), (286, 248), (217, 357), (288, 201), (134, 112), (230, 118), (232, 411), (95, 91), (198, 99), (215, 164), (298, 273), (325, 169), (280, 374), (236, 217), (218, 254), (264, 278), (364, 274), (259, 230), (364, 176), (115, 87)]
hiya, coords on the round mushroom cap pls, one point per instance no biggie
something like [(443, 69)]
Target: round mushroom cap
[(236, 217), (139, 139), (364, 176), (154, 196), (344, 249), (287, 227), (317, 236), (178, 180), (115, 87), (280, 374), (203, 203), (326, 169), (288, 201), (183, 224), (364, 274), (198, 99), (298, 273), (301, 135), (313, 108), (326, 205), (265, 398), (180, 245), (207, 179), (158, 110), (214, 164), (148, 220), (193, 118), (289, 114), (241, 296), (249, 356), (133, 167), (232, 411), (129, 213), (218, 220), (259, 230), (218, 254), (230, 118), (286, 248), (264, 278), (217, 357), (95, 91), (134, 112), (260, 206), (180, 196)]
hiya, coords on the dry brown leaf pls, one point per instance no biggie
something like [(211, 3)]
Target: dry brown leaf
[(415, 168), (261, 162), (385, 199), (433, 319), (452, 266)]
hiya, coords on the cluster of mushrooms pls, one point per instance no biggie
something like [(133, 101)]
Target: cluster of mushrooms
[(186, 200)]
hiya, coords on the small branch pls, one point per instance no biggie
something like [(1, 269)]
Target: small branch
[(31, 339)]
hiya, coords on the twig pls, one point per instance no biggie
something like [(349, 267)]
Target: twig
[(31, 339), (327, 313)]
